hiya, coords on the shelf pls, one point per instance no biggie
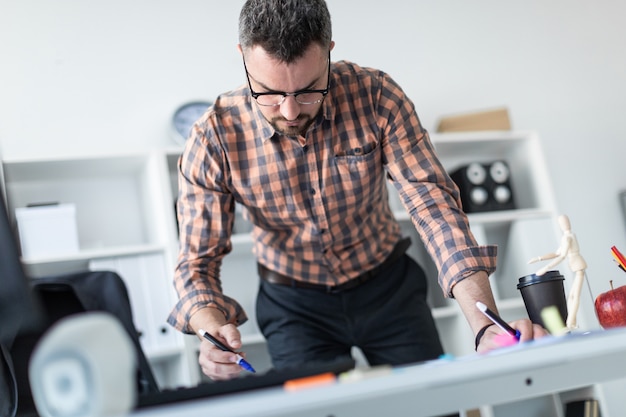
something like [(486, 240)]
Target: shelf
[(89, 254), (511, 304), (506, 216), (61, 169), (118, 199), (39, 267), (253, 339), (440, 313), (520, 150), (503, 216), (163, 355)]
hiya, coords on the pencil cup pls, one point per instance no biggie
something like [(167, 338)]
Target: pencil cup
[(543, 291)]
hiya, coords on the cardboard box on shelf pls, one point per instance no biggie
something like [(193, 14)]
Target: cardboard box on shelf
[(497, 119)]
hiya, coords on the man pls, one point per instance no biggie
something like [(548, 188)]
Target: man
[(306, 145)]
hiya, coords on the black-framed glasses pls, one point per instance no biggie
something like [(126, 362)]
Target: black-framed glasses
[(276, 98)]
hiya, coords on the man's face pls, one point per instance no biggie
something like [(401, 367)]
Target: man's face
[(310, 72)]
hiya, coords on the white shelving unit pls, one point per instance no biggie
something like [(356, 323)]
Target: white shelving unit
[(125, 223), (125, 211)]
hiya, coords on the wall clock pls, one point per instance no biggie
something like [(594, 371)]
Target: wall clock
[(184, 117)]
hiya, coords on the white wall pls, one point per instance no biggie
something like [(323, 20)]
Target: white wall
[(81, 77)]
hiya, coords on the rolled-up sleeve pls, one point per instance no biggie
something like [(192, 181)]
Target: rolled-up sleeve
[(205, 214), (428, 193)]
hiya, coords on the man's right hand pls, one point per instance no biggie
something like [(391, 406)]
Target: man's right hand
[(215, 363)]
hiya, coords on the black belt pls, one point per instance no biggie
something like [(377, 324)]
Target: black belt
[(277, 278)]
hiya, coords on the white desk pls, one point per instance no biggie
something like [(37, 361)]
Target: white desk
[(520, 372)]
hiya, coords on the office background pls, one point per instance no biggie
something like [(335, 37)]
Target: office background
[(84, 77)]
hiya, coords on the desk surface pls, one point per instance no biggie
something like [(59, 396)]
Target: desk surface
[(524, 371)]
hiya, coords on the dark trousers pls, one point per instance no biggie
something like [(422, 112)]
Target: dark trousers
[(387, 317)]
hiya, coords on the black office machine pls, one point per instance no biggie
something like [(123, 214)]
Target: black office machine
[(484, 186)]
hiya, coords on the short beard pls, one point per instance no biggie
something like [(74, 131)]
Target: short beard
[(292, 131)]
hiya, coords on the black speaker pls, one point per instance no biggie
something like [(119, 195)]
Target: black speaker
[(484, 186)]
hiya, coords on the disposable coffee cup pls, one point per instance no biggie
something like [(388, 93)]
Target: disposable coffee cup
[(543, 291)]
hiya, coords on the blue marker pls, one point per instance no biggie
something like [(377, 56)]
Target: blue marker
[(240, 360), (497, 320)]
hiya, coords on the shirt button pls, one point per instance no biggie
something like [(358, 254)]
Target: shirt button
[(313, 191)]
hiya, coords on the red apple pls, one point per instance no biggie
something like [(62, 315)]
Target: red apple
[(611, 307)]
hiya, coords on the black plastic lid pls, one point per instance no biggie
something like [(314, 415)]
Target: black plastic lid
[(535, 279)]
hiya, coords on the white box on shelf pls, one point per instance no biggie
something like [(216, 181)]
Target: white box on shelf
[(47, 230)]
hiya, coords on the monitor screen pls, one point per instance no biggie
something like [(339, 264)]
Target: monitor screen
[(18, 310)]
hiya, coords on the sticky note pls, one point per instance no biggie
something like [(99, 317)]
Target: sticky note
[(553, 321), (327, 378)]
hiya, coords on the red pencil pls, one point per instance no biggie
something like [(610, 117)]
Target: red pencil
[(618, 255)]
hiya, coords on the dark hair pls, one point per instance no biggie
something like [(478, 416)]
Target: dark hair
[(284, 28)]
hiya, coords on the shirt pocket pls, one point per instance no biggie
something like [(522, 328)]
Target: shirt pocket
[(362, 165), (357, 151)]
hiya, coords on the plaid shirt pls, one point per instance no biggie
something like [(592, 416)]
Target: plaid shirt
[(318, 203)]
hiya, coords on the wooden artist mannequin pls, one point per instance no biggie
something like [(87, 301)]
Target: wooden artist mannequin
[(569, 248)]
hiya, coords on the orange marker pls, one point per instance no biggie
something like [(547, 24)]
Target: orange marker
[(327, 378)]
